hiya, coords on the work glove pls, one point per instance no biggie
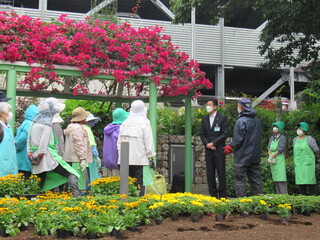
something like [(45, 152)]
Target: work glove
[(35, 160), (152, 163), (95, 152), (227, 149), (272, 160), (98, 162), (83, 165)]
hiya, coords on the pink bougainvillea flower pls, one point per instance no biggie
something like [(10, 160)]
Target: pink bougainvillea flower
[(95, 48)]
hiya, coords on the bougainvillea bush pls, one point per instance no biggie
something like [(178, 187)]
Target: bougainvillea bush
[(97, 47)]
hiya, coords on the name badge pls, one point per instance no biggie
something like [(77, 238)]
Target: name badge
[(217, 128)]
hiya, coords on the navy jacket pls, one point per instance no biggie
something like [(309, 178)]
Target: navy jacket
[(246, 141)]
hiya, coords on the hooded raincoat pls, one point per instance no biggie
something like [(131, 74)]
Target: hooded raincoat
[(8, 158), (22, 137), (110, 151), (246, 139), (110, 139)]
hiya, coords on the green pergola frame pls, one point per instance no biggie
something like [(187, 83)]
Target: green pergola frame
[(20, 67)]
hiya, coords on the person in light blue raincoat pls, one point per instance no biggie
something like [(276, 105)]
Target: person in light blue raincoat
[(8, 158), (24, 165)]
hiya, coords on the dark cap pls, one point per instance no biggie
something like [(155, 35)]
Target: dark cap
[(245, 103), (3, 97)]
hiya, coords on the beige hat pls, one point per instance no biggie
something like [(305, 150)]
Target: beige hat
[(79, 114)]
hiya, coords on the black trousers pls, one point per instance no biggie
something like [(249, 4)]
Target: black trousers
[(215, 162), (136, 171), (308, 189), (26, 174), (253, 171)]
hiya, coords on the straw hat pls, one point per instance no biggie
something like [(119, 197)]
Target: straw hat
[(79, 114)]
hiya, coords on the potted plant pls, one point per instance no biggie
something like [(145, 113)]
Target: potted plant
[(174, 207), (284, 211), (245, 206), (195, 208), (221, 208), (263, 209), (157, 211)]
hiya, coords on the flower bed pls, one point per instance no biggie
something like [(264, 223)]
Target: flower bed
[(52, 214)]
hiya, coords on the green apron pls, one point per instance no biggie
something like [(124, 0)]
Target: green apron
[(83, 176), (278, 170), (304, 162), (53, 179)]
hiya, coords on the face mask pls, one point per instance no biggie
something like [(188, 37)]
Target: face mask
[(209, 109), (299, 132), (239, 110), (10, 116), (275, 130), (90, 123)]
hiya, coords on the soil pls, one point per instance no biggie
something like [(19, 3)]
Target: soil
[(233, 227)]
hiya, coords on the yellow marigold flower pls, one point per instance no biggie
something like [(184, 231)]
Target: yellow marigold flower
[(43, 208), (90, 197), (53, 213), (263, 202), (113, 201), (123, 196), (112, 207)]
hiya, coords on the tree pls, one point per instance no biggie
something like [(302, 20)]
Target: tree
[(294, 23)]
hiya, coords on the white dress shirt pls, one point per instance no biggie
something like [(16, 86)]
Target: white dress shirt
[(211, 118)]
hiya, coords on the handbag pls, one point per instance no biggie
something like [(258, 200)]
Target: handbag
[(159, 185)]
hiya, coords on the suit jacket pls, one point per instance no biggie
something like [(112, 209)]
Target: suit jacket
[(208, 134)]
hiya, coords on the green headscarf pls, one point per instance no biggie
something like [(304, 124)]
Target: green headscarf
[(279, 125), (119, 115), (303, 126)]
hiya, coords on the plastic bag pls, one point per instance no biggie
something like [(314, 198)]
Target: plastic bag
[(159, 185)]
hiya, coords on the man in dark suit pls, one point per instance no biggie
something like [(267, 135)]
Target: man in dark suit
[(214, 132)]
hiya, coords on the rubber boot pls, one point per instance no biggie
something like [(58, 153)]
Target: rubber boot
[(73, 185)]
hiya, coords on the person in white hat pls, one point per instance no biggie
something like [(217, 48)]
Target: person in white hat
[(43, 153), (93, 168), (58, 132), (141, 145)]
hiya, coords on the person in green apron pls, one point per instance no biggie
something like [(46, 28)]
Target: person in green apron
[(93, 167), (276, 148), (304, 149), (47, 164), (77, 147)]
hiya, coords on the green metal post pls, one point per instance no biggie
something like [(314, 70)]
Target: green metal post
[(153, 111), (188, 145), (11, 92)]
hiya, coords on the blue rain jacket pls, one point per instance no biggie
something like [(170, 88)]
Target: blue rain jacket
[(22, 137), (8, 158)]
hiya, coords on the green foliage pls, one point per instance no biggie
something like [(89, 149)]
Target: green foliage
[(285, 20)]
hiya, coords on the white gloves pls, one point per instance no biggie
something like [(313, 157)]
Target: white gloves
[(83, 165), (272, 160), (98, 162)]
